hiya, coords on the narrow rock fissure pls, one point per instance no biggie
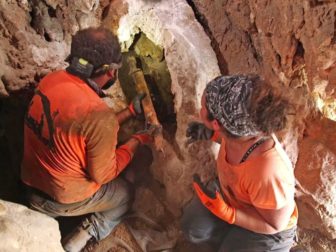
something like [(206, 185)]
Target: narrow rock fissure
[(214, 43), (150, 59)]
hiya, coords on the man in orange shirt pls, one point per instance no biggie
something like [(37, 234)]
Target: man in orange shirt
[(251, 207), (72, 160)]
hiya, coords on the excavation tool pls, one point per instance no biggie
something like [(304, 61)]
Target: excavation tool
[(147, 104)]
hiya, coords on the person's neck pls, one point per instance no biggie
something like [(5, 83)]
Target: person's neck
[(235, 148), (240, 143), (100, 81)]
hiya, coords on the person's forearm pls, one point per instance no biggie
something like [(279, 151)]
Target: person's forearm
[(250, 219), (133, 144), (104, 173), (124, 115), (124, 154)]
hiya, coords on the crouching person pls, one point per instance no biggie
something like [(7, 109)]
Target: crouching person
[(251, 206), (72, 164)]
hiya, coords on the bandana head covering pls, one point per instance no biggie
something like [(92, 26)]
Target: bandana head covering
[(227, 100)]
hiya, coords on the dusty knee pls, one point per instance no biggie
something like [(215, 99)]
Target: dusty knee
[(125, 192), (198, 224), (197, 230)]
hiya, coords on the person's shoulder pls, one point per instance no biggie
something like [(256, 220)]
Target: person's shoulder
[(61, 76), (101, 117), (268, 164), (280, 156), (54, 74), (53, 80), (269, 169)]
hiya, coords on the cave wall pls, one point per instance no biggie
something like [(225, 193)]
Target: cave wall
[(35, 37), (20, 230), (179, 33), (275, 39), (291, 43)]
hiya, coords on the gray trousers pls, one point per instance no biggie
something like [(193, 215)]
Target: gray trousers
[(108, 205), (200, 226)]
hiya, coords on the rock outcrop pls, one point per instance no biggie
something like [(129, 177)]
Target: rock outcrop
[(290, 43), (35, 37), (316, 175), (24, 230)]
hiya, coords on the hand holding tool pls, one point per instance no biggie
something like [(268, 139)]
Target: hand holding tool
[(147, 135), (135, 106)]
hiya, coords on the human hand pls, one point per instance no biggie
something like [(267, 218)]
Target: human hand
[(135, 106), (197, 131), (147, 135), (214, 201)]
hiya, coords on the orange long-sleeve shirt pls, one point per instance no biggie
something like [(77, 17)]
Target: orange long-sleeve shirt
[(70, 138)]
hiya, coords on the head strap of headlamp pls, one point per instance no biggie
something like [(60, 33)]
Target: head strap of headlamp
[(80, 67)]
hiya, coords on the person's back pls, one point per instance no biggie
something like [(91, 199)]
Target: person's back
[(72, 163), (57, 128)]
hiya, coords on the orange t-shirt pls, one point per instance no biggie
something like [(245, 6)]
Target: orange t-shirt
[(265, 182), (70, 138)]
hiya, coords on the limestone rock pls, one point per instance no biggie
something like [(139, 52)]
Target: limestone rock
[(25, 230), (191, 62), (291, 42), (316, 175), (85, 6), (288, 42), (315, 241), (36, 35), (45, 22)]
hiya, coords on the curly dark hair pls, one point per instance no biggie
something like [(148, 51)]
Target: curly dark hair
[(269, 106), (99, 46)]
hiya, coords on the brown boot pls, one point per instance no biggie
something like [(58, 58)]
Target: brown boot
[(76, 240)]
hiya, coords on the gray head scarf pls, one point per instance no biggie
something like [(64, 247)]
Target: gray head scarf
[(227, 99)]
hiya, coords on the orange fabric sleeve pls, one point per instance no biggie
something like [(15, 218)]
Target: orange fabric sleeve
[(124, 156), (104, 161)]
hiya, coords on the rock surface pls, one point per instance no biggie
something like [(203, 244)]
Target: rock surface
[(283, 40), (316, 176), (190, 70), (35, 37), (291, 43), (24, 230)]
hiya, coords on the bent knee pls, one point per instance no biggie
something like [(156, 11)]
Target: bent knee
[(125, 192), (120, 193), (196, 231)]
